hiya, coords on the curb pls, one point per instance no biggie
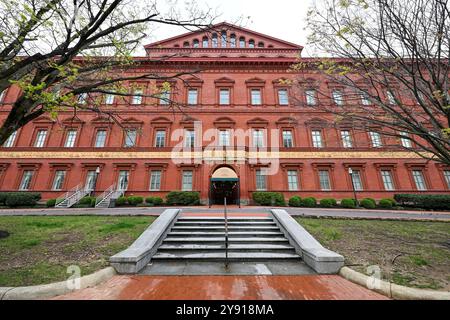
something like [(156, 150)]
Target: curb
[(51, 290), (392, 290)]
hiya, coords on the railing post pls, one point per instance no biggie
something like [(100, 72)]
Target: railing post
[(226, 232)]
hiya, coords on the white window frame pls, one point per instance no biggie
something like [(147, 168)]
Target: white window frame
[(71, 138), (224, 99), (123, 180), (9, 143), (346, 139), (338, 97), (258, 138), (27, 178), (388, 180), (293, 184), (283, 97), (164, 98), (109, 98), (189, 138), (324, 180), (58, 180), (419, 180), (137, 97), (256, 97), (365, 99), (224, 138), (41, 136), (261, 180), (103, 138), (446, 174), (310, 95), (406, 143), (193, 97), (317, 139), (130, 138), (187, 181), (160, 139), (155, 180), (375, 139), (288, 136), (357, 180)]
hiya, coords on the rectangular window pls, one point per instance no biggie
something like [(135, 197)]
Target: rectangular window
[(357, 182), (419, 180), (293, 180), (283, 98), (189, 138), (447, 178), (70, 139), (256, 97), (310, 97), (406, 142), (155, 180), (324, 179), (58, 181), (365, 99), (91, 178), (346, 139), (160, 140), (40, 138), (2, 95), (337, 97), (9, 143), (100, 139), (164, 98), (193, 97), (109, 98), (317, 139), (391, 97), (258, 139), (130, 138), (261, 181), (224, 98), (388, 182), (137, 96), (124, 176), (82, 98), (25, 184), (375, 138), (224, 138), (287, 139), (187, 180)]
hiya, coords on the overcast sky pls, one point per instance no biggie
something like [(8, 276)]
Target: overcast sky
[(284, 19)]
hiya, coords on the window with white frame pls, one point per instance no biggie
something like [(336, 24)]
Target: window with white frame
[(155, 180), (58, 180), (310, 97), (215, 40), (160, 139), (261, 180), (123, 181), (447, 178), (2, 95), (283, 98), (193, 97), (100, 139), (224, 96), (388, 182), (375, 138), (346, 139), (241, 42), (195, 43), (251, 43), (419, 180), (137, 96), (391, 97), (292, 180), (189, 138), (317, 138), (406, 142), (338, 98), (40, 138), (258, 138), (256, 97), (71, 136), (357, 182), (233, 41), (365, 99), (288, 141), (224, 138), (130, 138), (25, 183), (9, 143), (164, 97), (91, 178), (109, 98), (324, 180), (223, 39), (205, 42), (187, 183), (82, 98)]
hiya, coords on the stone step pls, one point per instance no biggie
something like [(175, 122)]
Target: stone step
[(219, 219), (232, 256), (222, 234), (222, 228), (220, 240), (230, 223), (232, 246)]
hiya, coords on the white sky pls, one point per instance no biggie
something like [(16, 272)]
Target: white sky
[(284, 19)]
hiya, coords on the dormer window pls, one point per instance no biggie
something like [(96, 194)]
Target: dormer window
[(251, 44), (205, 43), (233, 41), (241, 42), (186, 44), (195, 43), (224, 39), (215, 41), (260, 44)]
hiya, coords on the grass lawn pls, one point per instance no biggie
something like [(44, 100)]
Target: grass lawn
[(409, 253), (39, 249)]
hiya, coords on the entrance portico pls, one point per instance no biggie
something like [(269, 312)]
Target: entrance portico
[(224, 184)]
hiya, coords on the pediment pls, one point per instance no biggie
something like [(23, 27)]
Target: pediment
[(73, 119), (258, 121), (131, 120), (161, 120), (44, 119)]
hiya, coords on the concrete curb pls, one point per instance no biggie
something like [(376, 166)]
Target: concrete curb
[(392, 290), (51, 290)]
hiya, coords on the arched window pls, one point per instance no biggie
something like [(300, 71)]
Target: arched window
[(186, 44), (233, 41), (215, 40), (205, 42), (224, 39), (260, 44), (251, 43), (195, 43), (241, 42)]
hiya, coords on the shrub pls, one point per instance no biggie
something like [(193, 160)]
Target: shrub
[(5, 195), (368, 203), (183, 198), (134, 201), (386, 203), (121, 201), (23, 199), (156, 201), (328, 203), (295, 201), (50, 203), (269, 199), (431, 202), (87, 201), (348, 203), (309, 202)]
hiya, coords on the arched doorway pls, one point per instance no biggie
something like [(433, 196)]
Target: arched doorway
[(224, 184)]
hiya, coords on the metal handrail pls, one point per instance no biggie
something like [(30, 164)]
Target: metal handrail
[(226, 232), (105, 194), (69, 194)]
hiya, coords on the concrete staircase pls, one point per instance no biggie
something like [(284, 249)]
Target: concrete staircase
[(202, 239)]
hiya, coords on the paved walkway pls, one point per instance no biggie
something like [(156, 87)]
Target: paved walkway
[(323, 287)]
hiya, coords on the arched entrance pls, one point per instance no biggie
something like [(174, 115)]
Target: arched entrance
[(224, 184)]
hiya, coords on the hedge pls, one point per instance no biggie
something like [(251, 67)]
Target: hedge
[(328, 203), (185, 198), (309, 202), (386, 203), (121, 201), (87, 201), (30, 198), (432, 202), (295, 201), (134, 201), (269, 199), (156, 201), (50, 203), (368, 203), (348, 203)]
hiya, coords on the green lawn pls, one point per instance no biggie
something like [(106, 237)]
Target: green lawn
[(39, 249), (410, 253)]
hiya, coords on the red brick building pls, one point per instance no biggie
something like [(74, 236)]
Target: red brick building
[(238, 93)]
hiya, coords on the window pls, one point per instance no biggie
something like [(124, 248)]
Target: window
[(260, 44), (375, 137), (224, 39), (164, 97), (256, 97), (186, 44), (241, 42), (25, 184), (70, 139), (189, 138), (195, 43), (365, 99), (82, 98), (155, 180), (192, 97), (357, 182), (287, 139), (391, 97), (100, 139), (205, 43), (10, 141), (2, 95), (338, 98), (388, 182), (160, 139), (233, 41), (137, 96), (317, 139), (310, 97), (130, 138), (215, 41), (283, 99), (109, 98), (91, 179), (447, 178), (40, 138), (251, 44), (419, 180), (324, 179), (224, 97), (124, 176), (224, 138), (58, 181), (292, 180), (406, 142), (346, 139), (261, 180), (187, 180), (258, 139)]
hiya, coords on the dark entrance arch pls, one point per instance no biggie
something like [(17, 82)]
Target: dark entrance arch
[(224, 184)]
